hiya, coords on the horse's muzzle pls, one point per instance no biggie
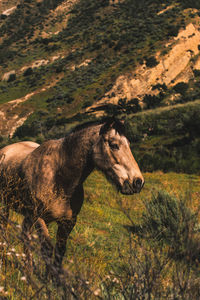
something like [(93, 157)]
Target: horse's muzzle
[(129, 189)]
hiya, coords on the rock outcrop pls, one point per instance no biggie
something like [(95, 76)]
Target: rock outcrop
[(174, 67)]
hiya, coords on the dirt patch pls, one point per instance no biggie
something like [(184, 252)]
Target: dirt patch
[(35, 64), (85, 63), (65, 6), (165, 9), (9, 11), (10, 119)]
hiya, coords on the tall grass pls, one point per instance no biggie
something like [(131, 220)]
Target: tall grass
[(142, 247)]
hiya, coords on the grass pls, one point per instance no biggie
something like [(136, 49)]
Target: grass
[(99, 246), (13, 92)]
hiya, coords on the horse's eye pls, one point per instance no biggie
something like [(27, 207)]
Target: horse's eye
[(114, 146)]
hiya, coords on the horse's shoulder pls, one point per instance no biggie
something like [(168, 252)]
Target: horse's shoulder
[(42, 160), (40, 167)]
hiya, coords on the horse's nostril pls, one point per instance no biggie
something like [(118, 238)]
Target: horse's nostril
[(138, 183)]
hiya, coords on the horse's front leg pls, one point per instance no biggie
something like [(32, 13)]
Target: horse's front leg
[(64, 229), (45, 240), (26, 236), (4, 211)]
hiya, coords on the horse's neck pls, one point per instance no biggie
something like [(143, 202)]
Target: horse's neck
[(78, 152)]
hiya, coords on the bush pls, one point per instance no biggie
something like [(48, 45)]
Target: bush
[(173, 30), (196, 73), (28, 130), (163, 254), (191, 4), (170, 221), (153, 101), (28, 71), (181, 88), (151, 62)]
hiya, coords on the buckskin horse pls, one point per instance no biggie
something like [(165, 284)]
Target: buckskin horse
[(45, 182)]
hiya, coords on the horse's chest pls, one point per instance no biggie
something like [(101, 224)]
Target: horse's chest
[(61, 209), (67, 205)]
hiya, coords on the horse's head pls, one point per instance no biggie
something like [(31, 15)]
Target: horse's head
[(113, 156)]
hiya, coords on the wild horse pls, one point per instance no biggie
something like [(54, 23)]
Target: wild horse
[(45, 182)]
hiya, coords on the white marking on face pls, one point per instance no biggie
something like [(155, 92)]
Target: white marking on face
[(127, 168), (120, 172), (125, 141)]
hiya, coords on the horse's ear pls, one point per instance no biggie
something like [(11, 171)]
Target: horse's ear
[(113, 123), (121, 122), (107, 126), (120, 126)]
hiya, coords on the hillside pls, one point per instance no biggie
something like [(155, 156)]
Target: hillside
[(63, 62)]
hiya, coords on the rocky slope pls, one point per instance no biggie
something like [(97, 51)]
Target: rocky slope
[(174, 67), (63, 58)]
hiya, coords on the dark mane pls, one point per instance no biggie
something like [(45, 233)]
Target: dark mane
[(116, 124)]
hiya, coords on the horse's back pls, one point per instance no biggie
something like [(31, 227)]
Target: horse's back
[(13, 154)]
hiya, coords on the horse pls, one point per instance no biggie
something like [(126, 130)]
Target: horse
[(44, 182)]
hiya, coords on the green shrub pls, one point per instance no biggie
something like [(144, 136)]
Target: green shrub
[(152, 101), (28, 130), (170, 221), (28, 71), (151, 62), (181, 88), (196, 72)]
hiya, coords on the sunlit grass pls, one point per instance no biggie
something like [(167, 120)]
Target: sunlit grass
[(101, 223), (100, 242)]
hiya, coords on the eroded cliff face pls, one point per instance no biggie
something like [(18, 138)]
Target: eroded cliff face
[(174, 67)]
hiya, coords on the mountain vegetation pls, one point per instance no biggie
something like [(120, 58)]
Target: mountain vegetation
[(64, 62), (69, 54)]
